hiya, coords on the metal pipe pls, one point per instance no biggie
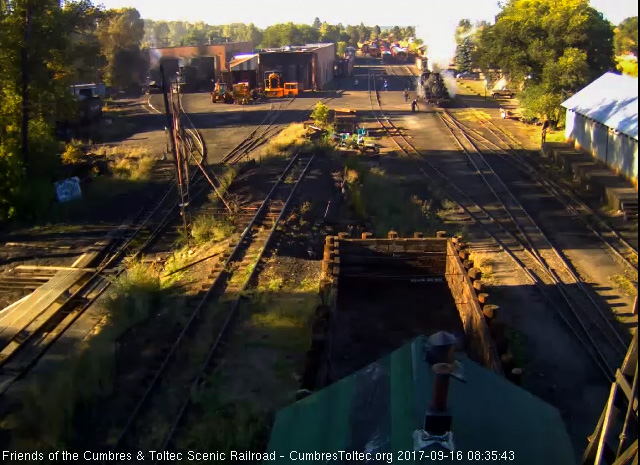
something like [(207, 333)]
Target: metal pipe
[(441, 378), (634, 395)]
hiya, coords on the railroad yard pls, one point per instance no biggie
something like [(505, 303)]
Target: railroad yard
[(227, 336)]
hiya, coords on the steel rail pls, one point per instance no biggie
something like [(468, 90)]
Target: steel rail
[(546, 267), (98, 279), (604, 366), (232, 312), (192, 318), (562, 193)]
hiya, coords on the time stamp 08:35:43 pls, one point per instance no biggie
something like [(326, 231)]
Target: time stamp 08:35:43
[(470, 455)]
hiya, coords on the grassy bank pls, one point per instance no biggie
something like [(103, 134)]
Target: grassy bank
[(51, 410), (390, 201)]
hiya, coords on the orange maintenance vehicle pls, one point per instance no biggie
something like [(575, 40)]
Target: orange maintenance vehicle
[(273, 86), (221, 93)]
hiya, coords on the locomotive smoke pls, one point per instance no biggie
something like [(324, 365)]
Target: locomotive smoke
[(449, 82), (419, 89)]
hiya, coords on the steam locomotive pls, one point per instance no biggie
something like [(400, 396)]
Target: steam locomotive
[(433, 90)]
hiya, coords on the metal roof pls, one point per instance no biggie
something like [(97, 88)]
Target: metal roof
[(378, 408), (612, 100), (244, 62)]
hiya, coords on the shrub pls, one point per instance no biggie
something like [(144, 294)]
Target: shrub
[(288, 141), (320, 114), (207, 228), (72, 154)]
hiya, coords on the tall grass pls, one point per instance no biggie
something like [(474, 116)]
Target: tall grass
[(206, 228), (55, 404), (132, 163), (288, 141), (388, 202)]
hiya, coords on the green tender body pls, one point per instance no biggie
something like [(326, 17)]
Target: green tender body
[(378, 408)]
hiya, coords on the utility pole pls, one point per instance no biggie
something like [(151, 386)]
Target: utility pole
[(172, 128)]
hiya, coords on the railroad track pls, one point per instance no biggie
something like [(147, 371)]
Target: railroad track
[(27, 337), (261, 134), (515, 232), (258, 136), (213, 315), (505, 148)]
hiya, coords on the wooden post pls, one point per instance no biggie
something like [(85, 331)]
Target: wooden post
[(474, 273), (490, 311)]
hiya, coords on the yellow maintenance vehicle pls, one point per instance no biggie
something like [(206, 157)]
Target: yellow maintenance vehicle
[(241, 93), (273, 86), (221, 93)]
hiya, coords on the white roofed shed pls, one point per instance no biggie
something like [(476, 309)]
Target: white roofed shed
[(603, 119)]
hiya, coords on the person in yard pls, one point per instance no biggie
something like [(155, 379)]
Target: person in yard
[(414, 106), (406, 95), (545, 128)]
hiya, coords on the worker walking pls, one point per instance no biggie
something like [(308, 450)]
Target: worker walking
[(545, 128), (406, 95), (414, 105)]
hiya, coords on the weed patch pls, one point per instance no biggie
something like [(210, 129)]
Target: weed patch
[(206, 228), (52, 409), (625, 284), (389, 202), (131, 163), (287, 142)]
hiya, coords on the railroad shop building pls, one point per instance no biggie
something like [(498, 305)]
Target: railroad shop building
[(602, 119), (311, 65), (221, 53)]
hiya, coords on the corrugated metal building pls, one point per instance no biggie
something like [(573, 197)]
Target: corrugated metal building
[(310, 65), (602, 119)]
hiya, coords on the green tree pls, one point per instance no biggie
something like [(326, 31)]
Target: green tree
[(354, 35), (316, 23), (463, 55), (120, 33), (552, 47), (364, 32), (341, 48), (626, 36), (177, 32), (161, 33), (37, 67), (463, 30), (377, 31), (196, 36)]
